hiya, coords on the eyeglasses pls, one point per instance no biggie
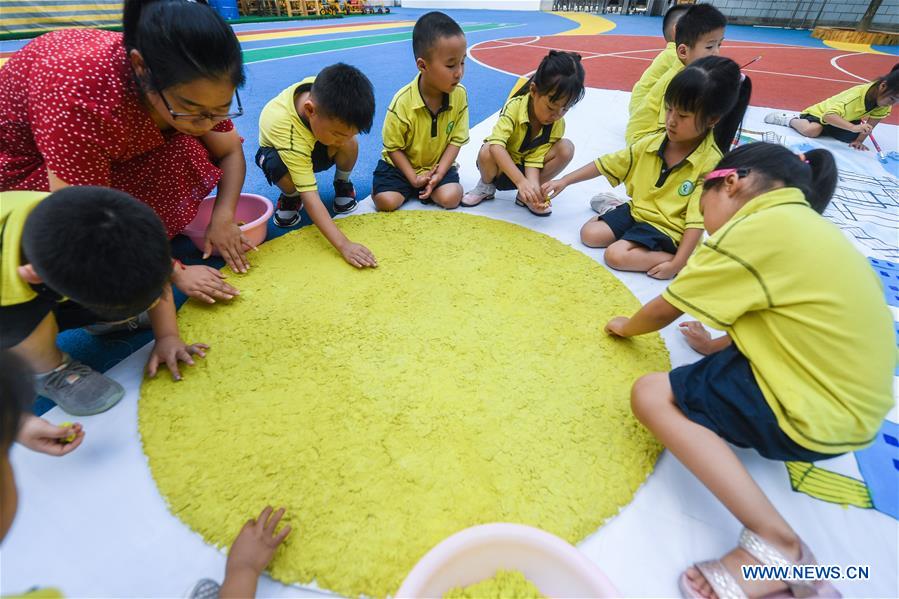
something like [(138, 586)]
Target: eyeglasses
[(197, 117)]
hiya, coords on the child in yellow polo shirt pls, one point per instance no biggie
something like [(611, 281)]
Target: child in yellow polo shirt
[(699, 33), (308, 128), (806, 372), (526, 147), (658, 229), (849, 116), (426, 122), (250, 553), (663, 62)]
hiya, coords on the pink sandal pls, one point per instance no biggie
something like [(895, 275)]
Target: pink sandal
[(726, 587)]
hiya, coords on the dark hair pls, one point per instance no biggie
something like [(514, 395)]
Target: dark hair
[(816, 176), (891, 79), (16, 395), (100, 247), (671, 18), (561, 75), (699, 20), (182, 41), (343, 92), (712, 87), (429, 28)]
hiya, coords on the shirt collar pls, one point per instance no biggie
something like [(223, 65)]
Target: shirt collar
[(658, 147), (419, 101)]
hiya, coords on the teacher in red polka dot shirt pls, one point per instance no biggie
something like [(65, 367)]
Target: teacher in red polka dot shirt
[(147, 111)]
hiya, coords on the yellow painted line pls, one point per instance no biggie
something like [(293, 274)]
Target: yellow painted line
[(9, 10), (587, 24), (69, 19), (323, 31), (852, 47), (3, 61)]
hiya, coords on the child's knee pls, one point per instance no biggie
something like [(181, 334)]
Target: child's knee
[(591, 233), (616, 256), (388, 201), (448, 196), (649, 394), (565, 150), (484, 156)]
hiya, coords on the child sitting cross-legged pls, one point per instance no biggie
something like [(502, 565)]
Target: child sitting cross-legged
[(658, 229), (807, 373)]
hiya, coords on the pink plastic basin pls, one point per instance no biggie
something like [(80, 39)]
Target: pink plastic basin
[(557, 568), (252, 210)]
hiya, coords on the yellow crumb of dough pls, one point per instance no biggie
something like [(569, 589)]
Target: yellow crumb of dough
[(507, 584)]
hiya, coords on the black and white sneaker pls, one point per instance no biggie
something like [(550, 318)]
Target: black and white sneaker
[(344, 197), (287, 212)]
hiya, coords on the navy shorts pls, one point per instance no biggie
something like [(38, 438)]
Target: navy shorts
[(503, 182), (18, 321), (720, 393), (831, 131), (390, 178), (625, 227), (274, 168)]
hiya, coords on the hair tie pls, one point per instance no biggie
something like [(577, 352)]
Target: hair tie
[(724, 172)]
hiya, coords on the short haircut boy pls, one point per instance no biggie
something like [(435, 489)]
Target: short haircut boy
[(430, 28), (99, 247), (699, 20), (669, 21), (343, 92)]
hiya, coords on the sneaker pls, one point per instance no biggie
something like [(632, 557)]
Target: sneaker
[(78, 389), (780, 118), (481, 193), (344, 196), (287, 212), (605, 202), (135, 323), (206, 588)]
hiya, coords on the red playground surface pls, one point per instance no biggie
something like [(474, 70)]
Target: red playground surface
[(786, 77)]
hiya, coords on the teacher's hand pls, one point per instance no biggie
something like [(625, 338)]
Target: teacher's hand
[(229, 240)]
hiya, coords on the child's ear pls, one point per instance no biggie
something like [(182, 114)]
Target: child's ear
[(682, 50), (532, 88), (421, 64), (27, 273), (309, 107)]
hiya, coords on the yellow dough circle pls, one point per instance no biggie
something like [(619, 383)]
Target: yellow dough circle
[(465, 380)]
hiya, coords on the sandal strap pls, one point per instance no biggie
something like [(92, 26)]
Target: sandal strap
[(768, 555), (721, 581)]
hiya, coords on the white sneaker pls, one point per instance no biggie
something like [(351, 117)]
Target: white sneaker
[(605, 202), (481, 192), (780, 118)]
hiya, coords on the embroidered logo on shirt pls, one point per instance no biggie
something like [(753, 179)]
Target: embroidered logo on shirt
[(686, 188), (449, 127)]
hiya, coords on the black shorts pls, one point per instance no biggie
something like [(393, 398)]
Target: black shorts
[(274, 168), (625, 227), (831, 131), (390, 178), (17, 322), (720, 393)]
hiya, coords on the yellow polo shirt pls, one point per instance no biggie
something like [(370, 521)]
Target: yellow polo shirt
[(849, 104), (281, 128), (513, 130), (664, 61), (15, 206), (422, 136), (667, 199), (807, 311), (649, 116)]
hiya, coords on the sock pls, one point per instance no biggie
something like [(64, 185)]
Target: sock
[(340, 175)]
